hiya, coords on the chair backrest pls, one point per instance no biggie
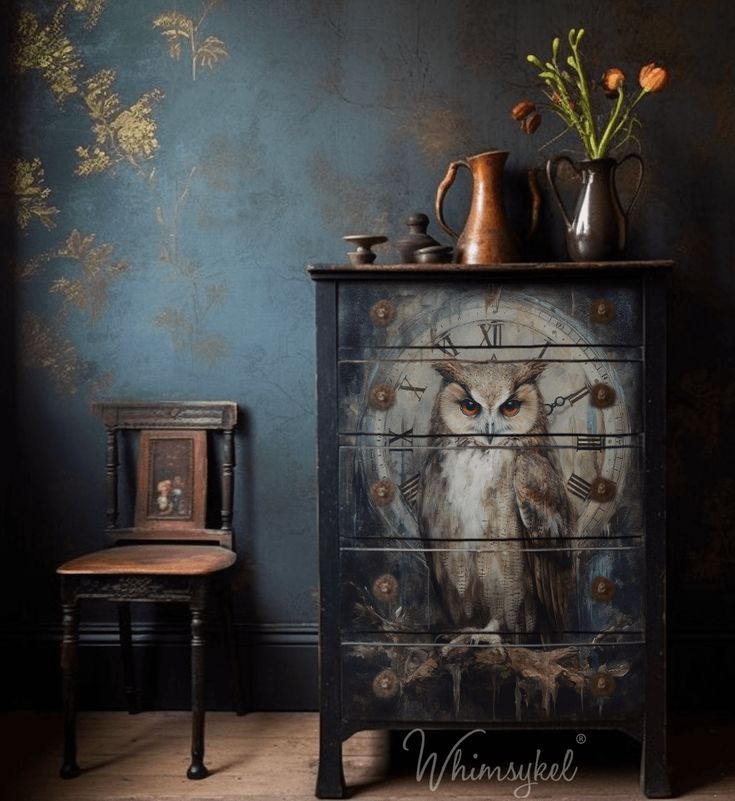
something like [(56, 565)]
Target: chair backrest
[(171, 485)]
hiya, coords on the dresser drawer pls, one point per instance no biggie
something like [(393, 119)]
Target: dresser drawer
[(382, 489), (576, 397), (415, 680), (488, 315), (392, 590)]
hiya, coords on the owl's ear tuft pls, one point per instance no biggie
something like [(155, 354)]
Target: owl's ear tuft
[(450, 371), (529, 372)]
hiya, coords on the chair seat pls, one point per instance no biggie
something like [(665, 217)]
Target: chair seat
[(170, 560)]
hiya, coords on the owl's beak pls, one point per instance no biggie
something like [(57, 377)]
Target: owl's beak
[(489, 432)]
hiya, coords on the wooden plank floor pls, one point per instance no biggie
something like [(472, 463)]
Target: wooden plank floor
[(272, 757)]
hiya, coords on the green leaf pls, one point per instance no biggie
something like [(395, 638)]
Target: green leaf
[(555, 47), (535, 61)]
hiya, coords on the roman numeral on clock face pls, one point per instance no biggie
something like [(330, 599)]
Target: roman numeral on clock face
[(492, 334), (403, 438), (579, 487), (410, 490), (445, 344), (586, 442), (407, 386), (492, 299)]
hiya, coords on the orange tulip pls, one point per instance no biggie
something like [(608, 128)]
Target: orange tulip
[(531, 123), (653, 78), (521, 110), (612, 80)]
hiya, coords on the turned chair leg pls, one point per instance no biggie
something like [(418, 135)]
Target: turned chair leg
[(69, 656), (197, 770), (126, 646), (241, 703)]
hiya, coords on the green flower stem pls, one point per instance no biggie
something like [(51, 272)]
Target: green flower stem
[(567, 109), (554, 80), (612, 127), (589, 119)]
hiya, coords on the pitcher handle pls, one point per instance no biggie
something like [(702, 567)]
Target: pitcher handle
[(535, 202), (551, 175), (641, 170), (442, 190)]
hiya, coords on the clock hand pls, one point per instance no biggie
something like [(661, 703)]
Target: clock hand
[(561, 400)]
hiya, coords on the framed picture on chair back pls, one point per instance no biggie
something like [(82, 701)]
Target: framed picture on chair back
[(172, 480)]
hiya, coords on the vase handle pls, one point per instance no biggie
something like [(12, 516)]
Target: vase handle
[(641, 170), (447, 181), (551, 167)]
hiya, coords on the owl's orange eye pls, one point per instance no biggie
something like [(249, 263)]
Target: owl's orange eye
[(510, 408), (470, 407)]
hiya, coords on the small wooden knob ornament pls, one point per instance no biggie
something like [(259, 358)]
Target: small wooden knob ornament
[(363, 242)]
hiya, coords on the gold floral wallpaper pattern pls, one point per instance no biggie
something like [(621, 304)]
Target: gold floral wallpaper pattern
[(185, 33), (122, 135)]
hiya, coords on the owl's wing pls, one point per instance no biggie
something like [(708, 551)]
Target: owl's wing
[(548, 519)]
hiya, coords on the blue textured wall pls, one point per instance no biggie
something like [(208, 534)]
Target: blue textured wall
[(167, 190)]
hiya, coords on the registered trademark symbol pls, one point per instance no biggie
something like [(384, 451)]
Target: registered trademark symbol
[(581, 739)]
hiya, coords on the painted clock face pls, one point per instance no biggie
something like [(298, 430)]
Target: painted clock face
[(584, 390)]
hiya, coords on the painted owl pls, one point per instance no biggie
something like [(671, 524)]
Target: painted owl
[(496, 486)]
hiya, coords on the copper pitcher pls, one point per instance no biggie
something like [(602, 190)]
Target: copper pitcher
[(487, 237)]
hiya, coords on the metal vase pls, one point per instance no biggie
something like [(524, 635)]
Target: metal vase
[(598, 229)]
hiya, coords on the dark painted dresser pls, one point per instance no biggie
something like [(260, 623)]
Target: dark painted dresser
[(492, 501)]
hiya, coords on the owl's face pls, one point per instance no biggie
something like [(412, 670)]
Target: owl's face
[(489, 399)]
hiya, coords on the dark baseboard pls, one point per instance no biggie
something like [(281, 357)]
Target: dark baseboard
[(279, 662)]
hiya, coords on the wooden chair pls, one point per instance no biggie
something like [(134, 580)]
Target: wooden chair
[(168, 554)]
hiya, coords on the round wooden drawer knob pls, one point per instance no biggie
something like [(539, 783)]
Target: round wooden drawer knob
[(382, 397), (382, 492), (602, 685), (385, 588), (382, 313), (386, 684), (602, 310), (602, 396), (602, 490), (603, 589)]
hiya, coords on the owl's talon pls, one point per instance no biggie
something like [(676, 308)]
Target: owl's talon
[(487, 638)]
